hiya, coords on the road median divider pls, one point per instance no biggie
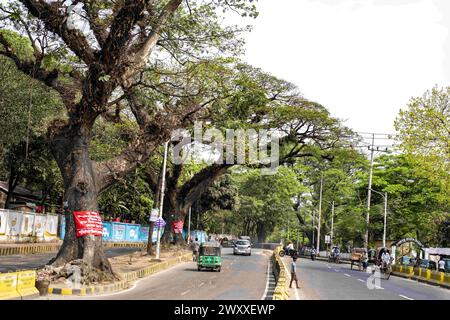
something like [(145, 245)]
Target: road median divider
[(281, 291)]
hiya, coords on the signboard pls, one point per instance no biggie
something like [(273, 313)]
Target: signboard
[(154, 215), (132, 232), (88, 223), (3, 217), (144, 231), (118, 231), (106, 232), (402, 241), (51, 226), (14, 223), (27, 225), (177, 226), (327, 239), (160, 223), (39, 225)]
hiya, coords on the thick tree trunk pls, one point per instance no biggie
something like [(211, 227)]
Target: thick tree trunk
[(70, 149), (12, 184), (261, 233)]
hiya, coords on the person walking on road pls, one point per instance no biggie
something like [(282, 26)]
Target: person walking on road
[(294, 273), (195, 248)]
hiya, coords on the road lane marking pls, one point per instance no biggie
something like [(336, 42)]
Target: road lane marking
[(201, 284), (267, 282), (362, 280), (347, 275), (378, 287), (186, 292), (408, 298), (336, 270)]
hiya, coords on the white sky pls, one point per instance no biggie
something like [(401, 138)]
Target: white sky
[(362, 59)]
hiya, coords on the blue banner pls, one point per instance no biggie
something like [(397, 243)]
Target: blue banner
[(118, 231), (143, 233), (62, 230), (106, 231), (132, 232)]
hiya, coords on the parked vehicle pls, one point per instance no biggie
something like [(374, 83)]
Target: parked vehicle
[(242, 247), (209, 256)]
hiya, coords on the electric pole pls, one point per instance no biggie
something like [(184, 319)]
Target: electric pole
[(320, 213), (366, 238), (332, 224), (163, 186)]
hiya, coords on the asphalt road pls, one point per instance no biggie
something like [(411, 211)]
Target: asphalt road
[(320, 280), (241, 278), (12, 263)]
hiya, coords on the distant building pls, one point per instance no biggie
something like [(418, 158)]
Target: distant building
[(23, 199)]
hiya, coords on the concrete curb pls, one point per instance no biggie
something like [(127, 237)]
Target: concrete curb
[(29, 249), (129, 278), (52, 247), (91, 290), (409, 275)]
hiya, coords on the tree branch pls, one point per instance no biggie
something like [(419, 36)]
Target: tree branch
[(56, 21)]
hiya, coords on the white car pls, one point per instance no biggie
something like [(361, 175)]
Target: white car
[(242, 247)]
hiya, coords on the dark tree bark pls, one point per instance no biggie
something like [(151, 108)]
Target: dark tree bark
[(261, 232), (178, 200), (121, 57), (70, 149), (12, 184)]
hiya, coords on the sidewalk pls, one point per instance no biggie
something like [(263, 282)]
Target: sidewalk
[(7, 249), (142, 266), (11, 263)]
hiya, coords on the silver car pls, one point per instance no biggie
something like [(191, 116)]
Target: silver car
[(242, 247)]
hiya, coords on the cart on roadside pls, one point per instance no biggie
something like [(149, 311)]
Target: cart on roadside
[(357, 258)]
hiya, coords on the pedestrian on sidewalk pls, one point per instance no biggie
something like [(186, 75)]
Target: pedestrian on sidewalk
[(441, 265), (294, 273)]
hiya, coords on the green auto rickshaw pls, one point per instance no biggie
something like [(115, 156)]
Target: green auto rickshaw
[(209, 256)]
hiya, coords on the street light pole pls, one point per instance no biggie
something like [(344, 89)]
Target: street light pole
[(313, 227), (163, 186), (385, 218), (332, 224), (366, 237), (385, 215), (189, 226), (320, 213)]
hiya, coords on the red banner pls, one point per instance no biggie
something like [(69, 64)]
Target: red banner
[(88, 223), (177, 226)]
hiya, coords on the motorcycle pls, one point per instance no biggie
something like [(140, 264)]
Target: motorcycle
[(289, 252), (313, 256)]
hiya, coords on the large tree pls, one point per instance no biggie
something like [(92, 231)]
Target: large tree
[(93, 53), (252, 99), (423, 130)]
